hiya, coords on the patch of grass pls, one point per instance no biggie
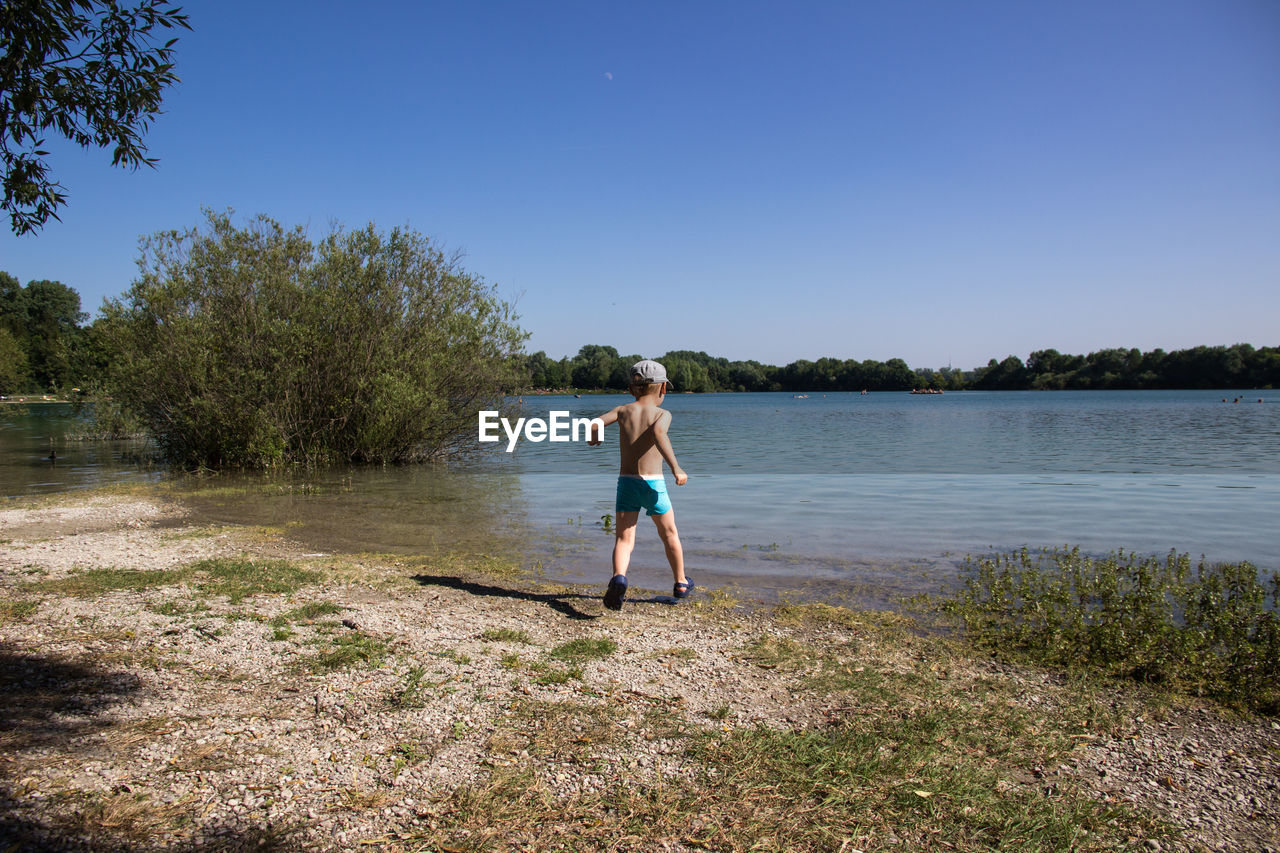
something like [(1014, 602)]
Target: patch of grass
[(280, 633), (243, 616), (175, 608), (555, 731), (306, 612), (923, 776), (509, 660), (407, 754), (718, 599), (677, 653), (583, 649), (94, 582), (12, 611), (920, 774), (449, 654), (346, 651), (314, 610), (821, 614), (412, 693), (506, 635), (474, 565), (547, 674), (1211, 630), (781, 653), (238, 578)]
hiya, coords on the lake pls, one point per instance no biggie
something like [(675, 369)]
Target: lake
[(865, 495)]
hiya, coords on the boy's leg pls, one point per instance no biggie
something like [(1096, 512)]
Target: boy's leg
[(666, 523), (624, 540)]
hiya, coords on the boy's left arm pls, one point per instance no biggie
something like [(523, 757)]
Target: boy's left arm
[(664, 447)]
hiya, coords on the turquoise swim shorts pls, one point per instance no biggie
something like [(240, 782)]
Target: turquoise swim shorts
[(635, 493)]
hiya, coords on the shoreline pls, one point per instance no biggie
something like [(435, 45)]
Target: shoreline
[(183, 686)]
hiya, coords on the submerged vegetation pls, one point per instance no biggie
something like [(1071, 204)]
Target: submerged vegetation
[(1210, 630)]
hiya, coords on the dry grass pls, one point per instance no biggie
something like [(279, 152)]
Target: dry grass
[(920, 748), (130, 817), (12, 611)]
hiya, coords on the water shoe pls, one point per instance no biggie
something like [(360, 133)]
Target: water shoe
[(683, 590), (617, 591)]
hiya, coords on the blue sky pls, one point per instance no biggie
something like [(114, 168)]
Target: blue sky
[(937, 181)]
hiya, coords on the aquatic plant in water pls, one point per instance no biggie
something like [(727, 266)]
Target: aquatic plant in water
[(1210, 629)]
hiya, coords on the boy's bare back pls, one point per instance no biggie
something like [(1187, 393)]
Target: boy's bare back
[(638, 426), (642, 435)]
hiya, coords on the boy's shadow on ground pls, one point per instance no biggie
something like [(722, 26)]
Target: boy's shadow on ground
[(557, 601)]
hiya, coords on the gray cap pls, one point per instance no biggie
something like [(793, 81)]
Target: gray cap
[(648, 372)]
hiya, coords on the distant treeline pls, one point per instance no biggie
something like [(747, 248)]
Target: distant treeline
[(45, 347), (597, 367)]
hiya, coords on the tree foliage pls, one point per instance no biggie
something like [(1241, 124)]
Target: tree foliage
[(13, 363), (256, 346), (89, 70), (44, 349)]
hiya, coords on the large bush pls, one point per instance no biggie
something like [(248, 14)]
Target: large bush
[(255, 346)]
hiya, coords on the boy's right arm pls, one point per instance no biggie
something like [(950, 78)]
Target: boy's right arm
[(597, 434)]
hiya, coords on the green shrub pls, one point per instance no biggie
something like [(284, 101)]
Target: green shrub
[(1210, 630), (257, 347)]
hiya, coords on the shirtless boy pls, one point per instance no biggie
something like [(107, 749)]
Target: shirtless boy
[(643, 446)]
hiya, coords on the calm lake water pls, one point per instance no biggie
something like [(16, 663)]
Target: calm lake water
[(868, 496)]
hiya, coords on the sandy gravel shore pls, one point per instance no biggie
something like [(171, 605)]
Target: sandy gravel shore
[(155, 701)]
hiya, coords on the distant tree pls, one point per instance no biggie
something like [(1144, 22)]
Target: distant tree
[(560, 373), (13, 312), (687, 374), (13, 364), (898, 376), (593, 366), (257, 347), (53, 319), (90, 71), (1264, 368), (747, 376), (1002, 376), (536, 366)]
